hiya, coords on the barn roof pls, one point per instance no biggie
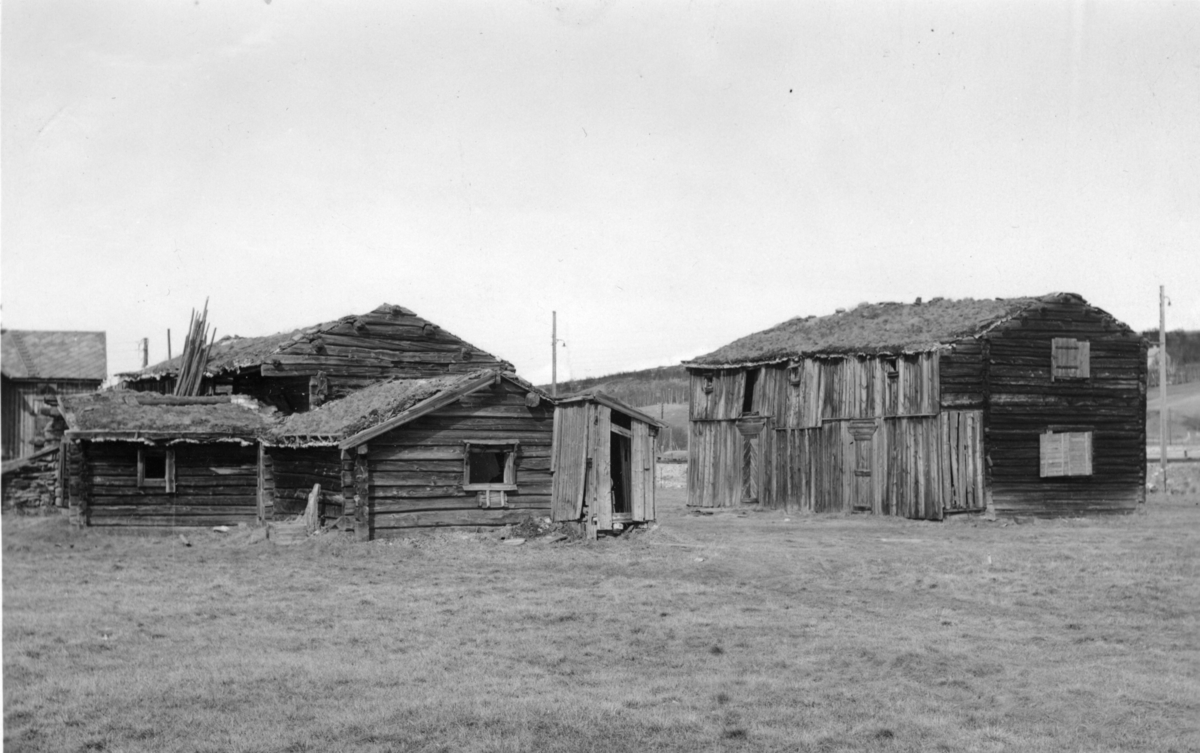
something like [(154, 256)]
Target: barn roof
[(380, 407), (51, 355), (234, 352), (877, 328), (124, 414)]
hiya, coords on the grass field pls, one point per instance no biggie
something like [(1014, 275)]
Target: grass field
[(753, 631)]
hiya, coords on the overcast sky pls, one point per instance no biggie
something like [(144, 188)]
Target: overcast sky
[(668, 176)]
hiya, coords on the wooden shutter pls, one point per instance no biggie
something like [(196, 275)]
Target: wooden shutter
[(1066, 454), (169, 462), (1070, 359)]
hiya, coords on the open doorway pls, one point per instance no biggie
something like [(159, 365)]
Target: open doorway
[(620, 456)]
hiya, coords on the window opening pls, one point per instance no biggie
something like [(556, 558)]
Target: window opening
[(748, 391), (490, 467), (156, 468)]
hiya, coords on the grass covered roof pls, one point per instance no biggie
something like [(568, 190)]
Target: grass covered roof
[(369, 406), (876, 328), (121, 412)]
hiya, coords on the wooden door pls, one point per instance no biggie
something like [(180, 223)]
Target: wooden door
[(862, 435), (752, 458)]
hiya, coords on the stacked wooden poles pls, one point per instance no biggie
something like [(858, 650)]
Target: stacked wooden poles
[(196, 347)]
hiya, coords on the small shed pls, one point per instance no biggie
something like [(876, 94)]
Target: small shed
[(462, 450), (1020, 405), (140, 459), (603, 463), (37, 366)]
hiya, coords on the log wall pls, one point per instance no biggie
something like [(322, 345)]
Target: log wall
[(215, 484), (416, 470), (1023, 401), (293, 473)]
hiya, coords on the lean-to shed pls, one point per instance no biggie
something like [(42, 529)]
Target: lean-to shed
[(141, 459), (1022, 405), (603, 463), (409, 454)]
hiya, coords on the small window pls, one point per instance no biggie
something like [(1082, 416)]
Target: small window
[(706, 384), (1070, 359), (490, 466), (156, 468), (1066, 453), (751, 384)]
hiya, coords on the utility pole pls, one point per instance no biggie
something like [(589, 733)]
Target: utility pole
[(145, 348), (554, 353), (1162, 385)]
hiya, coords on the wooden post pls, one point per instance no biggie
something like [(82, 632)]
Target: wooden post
[(362, 495), (1162, 385), (554, 353)]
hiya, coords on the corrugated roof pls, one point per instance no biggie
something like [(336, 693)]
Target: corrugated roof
[(119, 412), (234, 352), (45, 354), (877, 328)]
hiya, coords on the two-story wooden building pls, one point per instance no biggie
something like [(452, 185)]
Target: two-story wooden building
[(1023, 405)]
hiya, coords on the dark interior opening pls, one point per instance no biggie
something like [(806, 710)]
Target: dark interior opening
[(487, 466), (155, 465), (748, 391), (620, 453)]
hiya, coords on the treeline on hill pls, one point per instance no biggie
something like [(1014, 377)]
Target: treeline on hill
[(1183, 347), (649, 387), (665, 384)]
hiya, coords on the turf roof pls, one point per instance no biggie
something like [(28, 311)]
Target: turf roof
[(121, 411), (369, 406), (876, 328)]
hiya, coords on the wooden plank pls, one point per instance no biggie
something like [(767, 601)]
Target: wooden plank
[(602, 460)]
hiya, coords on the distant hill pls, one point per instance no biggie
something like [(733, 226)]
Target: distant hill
[(661, 392), (664, 384)]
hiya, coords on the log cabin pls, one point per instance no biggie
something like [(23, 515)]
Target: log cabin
[(136, 459), (464, 450), (1020, 406), (603, 463), (300, 369), (35, 367)]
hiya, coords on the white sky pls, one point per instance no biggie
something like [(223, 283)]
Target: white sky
[(669, 176)]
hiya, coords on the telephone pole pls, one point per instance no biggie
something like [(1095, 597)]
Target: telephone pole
[(1162, 385), (554, 353)]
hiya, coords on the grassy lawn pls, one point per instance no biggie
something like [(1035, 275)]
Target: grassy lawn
[(754, 631)]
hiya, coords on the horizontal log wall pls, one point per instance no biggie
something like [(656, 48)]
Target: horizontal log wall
[(215, 484), (293, 473), (416, 470), (1024, 402), (961, 373)]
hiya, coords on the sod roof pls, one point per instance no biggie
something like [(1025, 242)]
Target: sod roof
[(877, 328), (121, 412), (47, 354), (369, 406)]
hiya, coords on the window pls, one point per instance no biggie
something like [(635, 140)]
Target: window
[(1070, 359), (751, 383), (707, 384), (490, 466), (1066, 453), (156, 468)]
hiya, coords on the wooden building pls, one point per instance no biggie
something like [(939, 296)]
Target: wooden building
[(37, 366), (142, 459), (411, 454), (1021, 406), (603, 463), (301, 369)]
